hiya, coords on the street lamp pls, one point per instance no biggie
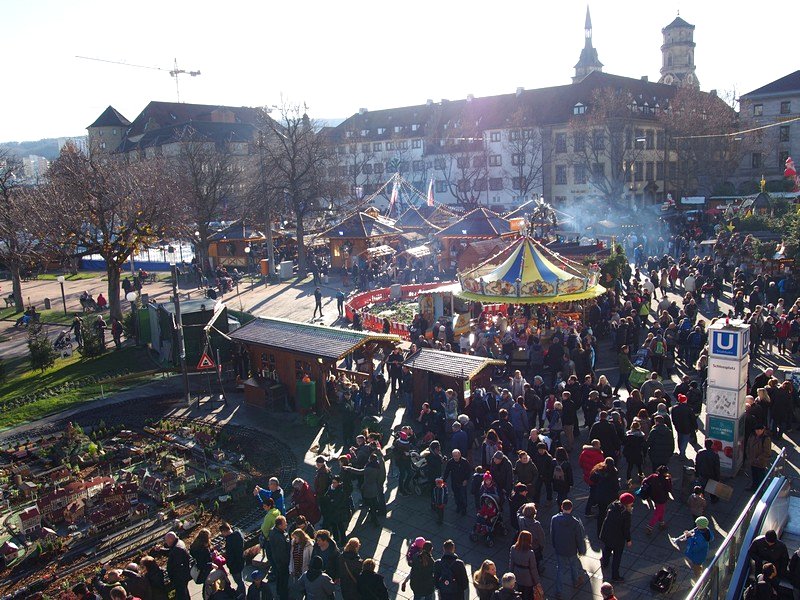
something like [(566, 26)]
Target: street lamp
[(131, 297), (179, 323), (60, 280)]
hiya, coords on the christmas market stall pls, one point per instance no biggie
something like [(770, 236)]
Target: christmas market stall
[(357, 233), (293, 360), (479, 224), (229, 246), (462, 373), (413, 221)]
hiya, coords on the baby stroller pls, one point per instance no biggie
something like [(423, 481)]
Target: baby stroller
[(418, 480), (63, 344), (488, 521)]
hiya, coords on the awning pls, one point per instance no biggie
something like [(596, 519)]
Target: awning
[(593, 292), (418, 251), (378, 251)]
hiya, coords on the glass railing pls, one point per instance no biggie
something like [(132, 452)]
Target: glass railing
[(714, 581)]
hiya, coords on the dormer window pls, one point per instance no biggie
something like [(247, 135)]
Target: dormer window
[(578, 109), (348, 134), (381, 130), (414, 126), (398, 128), (364, 132)]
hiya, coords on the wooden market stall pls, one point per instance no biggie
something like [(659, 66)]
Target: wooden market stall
[(412, 220), (226, 248), (438, 215), (299, 357), (358, 232), (462, 373), (479, 224)]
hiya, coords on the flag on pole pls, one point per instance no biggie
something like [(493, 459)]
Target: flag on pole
[(393, 198), (430, 192)]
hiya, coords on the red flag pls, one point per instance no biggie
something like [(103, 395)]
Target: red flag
[(430, 193)]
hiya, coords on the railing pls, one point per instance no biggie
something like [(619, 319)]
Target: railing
[(714, 581), (374, 323)]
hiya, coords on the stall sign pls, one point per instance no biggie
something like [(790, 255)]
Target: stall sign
[(467, 390)]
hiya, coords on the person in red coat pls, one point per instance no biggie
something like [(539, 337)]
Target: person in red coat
[(590, 456), (304, 501)]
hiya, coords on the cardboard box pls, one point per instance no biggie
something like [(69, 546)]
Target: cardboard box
[(719, 489)]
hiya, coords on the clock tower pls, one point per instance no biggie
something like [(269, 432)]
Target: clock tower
[(588, 61), (677, 55)]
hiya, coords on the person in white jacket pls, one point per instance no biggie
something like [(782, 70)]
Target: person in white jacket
[(302, 546)]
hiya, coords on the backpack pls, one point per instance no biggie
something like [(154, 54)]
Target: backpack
[(663, 580), (644, 491), (444, 576), (558, 473), (659, 347), (412, 552)]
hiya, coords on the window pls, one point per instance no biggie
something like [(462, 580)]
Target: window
[(438, 163), (518, 183), (348, 134), (598, 171), (479, 185), (390, 145), (351, 170), (638, 170), (494, 136), (561, 142), (786, 108), (365, 148), (561, 174), (580, 174), (463, 185), (527, 134), (758, 110), (648, 170), (378, 168), (782, 156), (495, 184), (479, 162), (640, 140), (578, 109), (673, 170), (364, 132), (756, 160), (414, 126), (513, 135), (440, 187), (495, 160), (598, 140), (659, 170), (402, 145), (367, 169), (462, 162), (517, 159), (114, 131), (416, 144), (351, 148), (377, 147), (418, 165), (660, 140), (579, 141), (784, 133), (398, 128), (560, 200), (391, 166), (649, 139)]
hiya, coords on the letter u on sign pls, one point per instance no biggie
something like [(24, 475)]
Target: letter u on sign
[(724, 343)]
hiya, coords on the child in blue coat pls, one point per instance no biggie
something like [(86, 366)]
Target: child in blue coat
[(698, 542)]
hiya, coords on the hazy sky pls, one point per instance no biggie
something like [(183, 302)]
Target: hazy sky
[(339, 56)]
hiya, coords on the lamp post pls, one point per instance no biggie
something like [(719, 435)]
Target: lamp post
[(60, 280), (131, 297), (179, 324)]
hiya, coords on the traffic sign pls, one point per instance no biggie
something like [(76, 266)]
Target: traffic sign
[(206, 362)]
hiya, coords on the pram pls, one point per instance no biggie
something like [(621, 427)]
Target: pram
[(488, 521), (418, 480), (640, 358), (63, 344)]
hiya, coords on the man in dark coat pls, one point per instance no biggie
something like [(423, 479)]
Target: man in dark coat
[(450, 574), (616, 533), (660, 443), (503, 474), (604, 431), (768, 548), (280, 550), (322, 477), (707, 466), (178, 565), (335, 509), (394, 364), (234, 554), (685, 424), (459, 471)]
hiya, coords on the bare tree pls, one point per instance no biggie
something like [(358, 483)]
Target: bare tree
[(604, 143), (700, 129), (529, 154), (20, 239), (109, 208), (296, 156), (209, 176)]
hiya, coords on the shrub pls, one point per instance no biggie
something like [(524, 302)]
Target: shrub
[(42, 354)]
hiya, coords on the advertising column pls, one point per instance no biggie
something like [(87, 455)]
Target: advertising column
[(728, 364)]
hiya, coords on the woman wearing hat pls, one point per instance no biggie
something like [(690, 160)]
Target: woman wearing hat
[(616, 533)]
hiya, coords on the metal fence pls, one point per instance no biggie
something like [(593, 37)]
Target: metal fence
[(714, 581)]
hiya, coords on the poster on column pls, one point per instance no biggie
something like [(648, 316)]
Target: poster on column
[(728, 374), (721, 432)]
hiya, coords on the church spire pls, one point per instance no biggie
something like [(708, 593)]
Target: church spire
[(588, 61)]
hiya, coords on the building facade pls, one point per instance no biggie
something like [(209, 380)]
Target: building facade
[(774, 107)]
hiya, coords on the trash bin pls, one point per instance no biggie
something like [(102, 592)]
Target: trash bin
[(306, 395), (687, 482), (264, 266), (47, 305)]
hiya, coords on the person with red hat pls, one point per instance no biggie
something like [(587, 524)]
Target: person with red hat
[(684, 422), (616, 533)]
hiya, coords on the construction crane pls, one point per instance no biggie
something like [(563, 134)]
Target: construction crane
[(173, 72)]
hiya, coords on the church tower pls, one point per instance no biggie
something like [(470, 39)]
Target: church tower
[(677, 55), (588, 61)]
